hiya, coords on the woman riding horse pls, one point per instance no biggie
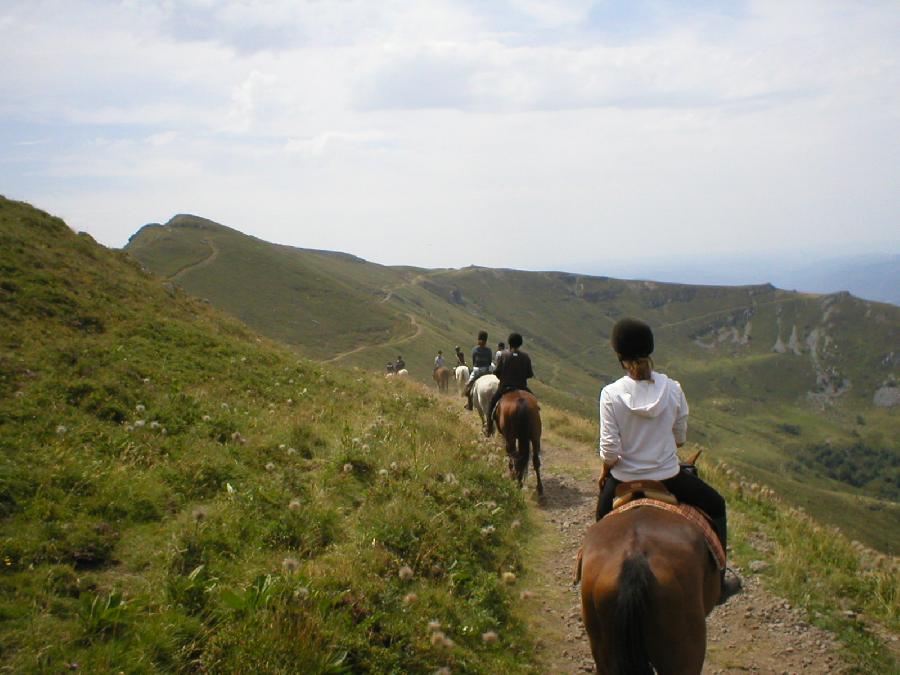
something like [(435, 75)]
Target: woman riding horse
[(648, 579), (643, 419)]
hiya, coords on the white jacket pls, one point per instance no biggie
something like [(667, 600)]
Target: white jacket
[(641, 422)]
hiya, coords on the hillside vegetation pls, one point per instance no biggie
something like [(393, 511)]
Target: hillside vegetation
[(179, 494), (771, 375)]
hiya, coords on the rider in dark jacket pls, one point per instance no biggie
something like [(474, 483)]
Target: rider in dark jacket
[(482, 359), (513, 370)]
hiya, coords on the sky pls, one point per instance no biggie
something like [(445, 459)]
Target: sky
[(532, 134)]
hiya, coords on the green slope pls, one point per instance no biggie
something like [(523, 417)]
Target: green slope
[(178, 494), (752, 359)]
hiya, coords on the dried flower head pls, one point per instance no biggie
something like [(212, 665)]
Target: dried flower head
[(489, 638), (290, 565), (199, 514), (295, 505), (410, 598), (348, 467), (270, 466), (405, 573), (509, 577)]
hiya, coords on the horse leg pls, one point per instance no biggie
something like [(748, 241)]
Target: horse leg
[(536, 463)]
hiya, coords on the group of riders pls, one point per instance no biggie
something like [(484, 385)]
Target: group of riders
[(643, 421), (510, 365)]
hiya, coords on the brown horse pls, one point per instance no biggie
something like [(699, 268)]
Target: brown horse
[(442, 377), (648, 582), (519, 420)]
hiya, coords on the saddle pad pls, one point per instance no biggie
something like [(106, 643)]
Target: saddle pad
[(692, 514)]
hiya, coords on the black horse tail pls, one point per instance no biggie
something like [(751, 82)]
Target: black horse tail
[(635, 593), (523, 435)]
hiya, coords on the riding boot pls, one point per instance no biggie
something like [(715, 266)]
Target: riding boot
[(731, 583), (469, 396)]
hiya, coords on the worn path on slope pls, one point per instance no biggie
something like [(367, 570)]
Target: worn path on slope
[(755, 632), (208, 260)]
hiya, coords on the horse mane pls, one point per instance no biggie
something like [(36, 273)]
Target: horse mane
[(635, 593)]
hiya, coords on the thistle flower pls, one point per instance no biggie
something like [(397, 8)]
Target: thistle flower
[(382, 472), (154, 424), (487, 529), (270, 466), (489, 638), (292, 451), (410, 598), (348, 467), (199, 514), (137, 423), (294, 505), (61, 429), (206, 418), (405, 573), (290, 565), (281, 446), (515, 524), (140, 407), (526, 595)]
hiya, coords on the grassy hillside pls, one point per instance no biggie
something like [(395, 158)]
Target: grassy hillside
[(782, 382), (179, 494)]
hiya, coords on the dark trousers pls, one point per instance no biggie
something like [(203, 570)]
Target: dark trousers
[(688, 489)]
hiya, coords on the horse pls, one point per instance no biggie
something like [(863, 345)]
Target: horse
[(442, 377), (403, 372), (461, 373), (519, 420), (482, 392), (648, 582)]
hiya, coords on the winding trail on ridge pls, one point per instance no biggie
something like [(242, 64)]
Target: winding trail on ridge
[(208, 260), (417, 331), (754, 632)]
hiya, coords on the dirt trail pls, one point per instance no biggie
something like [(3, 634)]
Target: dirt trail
[(754, 632), (208, 260), (390, 343)]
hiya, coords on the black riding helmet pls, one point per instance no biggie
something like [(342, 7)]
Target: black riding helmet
[(632, 339)]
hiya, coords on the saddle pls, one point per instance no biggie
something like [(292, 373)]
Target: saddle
[(639, 489)]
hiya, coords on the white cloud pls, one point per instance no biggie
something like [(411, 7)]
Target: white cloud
[(327, 124)]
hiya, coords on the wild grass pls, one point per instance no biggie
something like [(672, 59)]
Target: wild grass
[(180, 494), (842, 585)]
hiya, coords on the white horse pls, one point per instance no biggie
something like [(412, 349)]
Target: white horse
[(482, 392), (461, 373), (403, 372)]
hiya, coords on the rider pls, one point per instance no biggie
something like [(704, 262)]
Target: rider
[(500, 348), (643, 419), (513, 370), (481, 364), (399, 364), (439, 360), (460, 357)]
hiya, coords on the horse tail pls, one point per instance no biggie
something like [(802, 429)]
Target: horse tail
[(635, 593), (523, 435)]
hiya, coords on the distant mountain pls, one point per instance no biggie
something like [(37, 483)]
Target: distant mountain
[(769, 373), (872, 276)]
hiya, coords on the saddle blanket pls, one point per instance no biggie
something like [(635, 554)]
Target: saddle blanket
[(693, 514)]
